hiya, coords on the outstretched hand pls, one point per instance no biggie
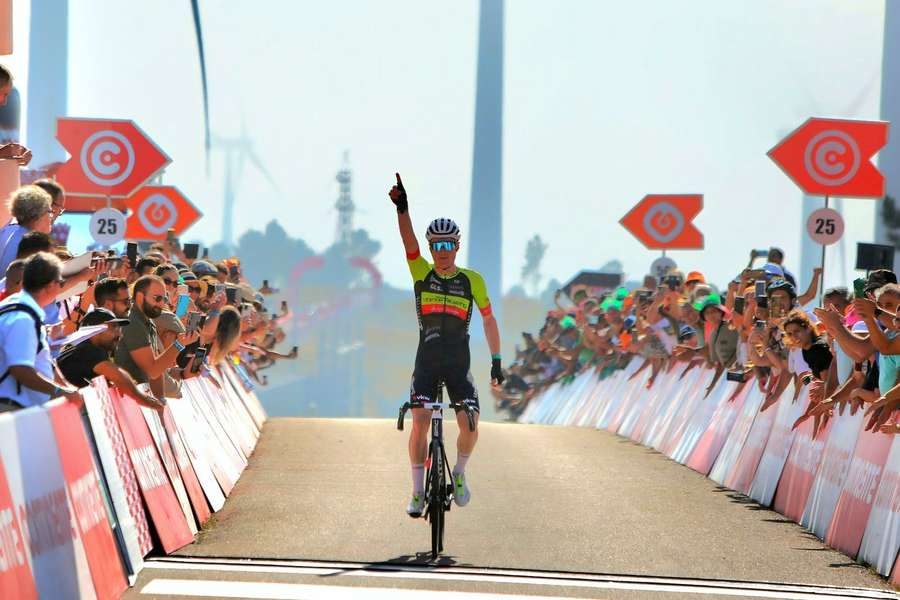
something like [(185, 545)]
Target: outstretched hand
[(398, 195)]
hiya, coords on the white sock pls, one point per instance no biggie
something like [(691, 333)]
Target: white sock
[(461, 460), (418, 477)]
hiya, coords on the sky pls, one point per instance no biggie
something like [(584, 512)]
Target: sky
[(605, 101)]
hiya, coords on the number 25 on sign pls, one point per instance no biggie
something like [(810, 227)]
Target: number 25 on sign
[(825, 226)]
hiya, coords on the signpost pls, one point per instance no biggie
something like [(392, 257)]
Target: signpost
[(832, 157), (155, 209), (111, 158), (663, 221)]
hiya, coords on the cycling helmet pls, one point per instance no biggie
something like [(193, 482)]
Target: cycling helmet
[(781, 284), (442, 229)]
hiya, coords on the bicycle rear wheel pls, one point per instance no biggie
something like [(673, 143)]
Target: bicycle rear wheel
[(436, 502)]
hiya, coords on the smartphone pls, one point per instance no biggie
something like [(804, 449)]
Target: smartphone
[(859, 287), (265, 283), (756, 274), (191, 251), (194, 322), (170, 235), (284, 306), (231, 295), (206, 253), (738, 376), (760, 325), (182, 307), (233, 270), (739, 304), (759, 288), (199, 357), (131, 253)]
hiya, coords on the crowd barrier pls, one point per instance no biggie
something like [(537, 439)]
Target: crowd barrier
[(86, 494), (843, 485)]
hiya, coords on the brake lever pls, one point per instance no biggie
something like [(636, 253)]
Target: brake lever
[(403, 410)]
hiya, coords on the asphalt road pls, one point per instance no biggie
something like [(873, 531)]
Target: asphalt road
[(560, 512)]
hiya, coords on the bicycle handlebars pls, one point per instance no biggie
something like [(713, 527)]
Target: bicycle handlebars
[(470, 412)]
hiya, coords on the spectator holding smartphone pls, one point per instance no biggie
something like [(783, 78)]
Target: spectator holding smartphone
[(28, 375), (93, 357), (140, 351)]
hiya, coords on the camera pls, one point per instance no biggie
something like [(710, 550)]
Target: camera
[(671, 281), (739, 304), (737, 374)]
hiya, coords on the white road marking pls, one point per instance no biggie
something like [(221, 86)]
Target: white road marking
[(521, 577), (297, 591)]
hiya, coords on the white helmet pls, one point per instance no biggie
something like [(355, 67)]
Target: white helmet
[(442, 229)]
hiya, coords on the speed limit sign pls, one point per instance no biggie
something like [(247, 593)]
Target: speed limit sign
[(108, 226), (825, 226)]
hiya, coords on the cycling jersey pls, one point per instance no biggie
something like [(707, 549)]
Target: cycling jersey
[(444, 310), (444, 303)]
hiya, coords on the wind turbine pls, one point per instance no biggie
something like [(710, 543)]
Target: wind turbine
[(236, 150)]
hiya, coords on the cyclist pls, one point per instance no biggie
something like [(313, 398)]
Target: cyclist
[(444, 297)]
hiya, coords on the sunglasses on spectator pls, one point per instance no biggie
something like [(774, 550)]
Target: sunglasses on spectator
[(157, 298), (126, 300), (443, 246), (172, 282)]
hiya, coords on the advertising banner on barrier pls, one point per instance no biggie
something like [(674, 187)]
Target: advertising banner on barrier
[(248, 398), (86, 499), (710, 444), (685, 386), (800, 470), (15, 574), (202, 443), (614, 403), (826, 488), (120, 477), (38, 489), (858, 492), (881, 540), (188, 474), (699, 421), (741, 476), (161, 440), (731, 450), (657, 403), (213, 413), (632, 395), (165, 512), (682, 418), (768, 473)]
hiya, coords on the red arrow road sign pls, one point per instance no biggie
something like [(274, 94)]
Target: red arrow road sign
[(155, 209), (110, 157), (663, 221), (832, 157)]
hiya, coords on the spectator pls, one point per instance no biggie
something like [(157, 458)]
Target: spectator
[(31, 209), (57, 197), (29, 376), (112, 294), (34, 242), (140, 351), (92, 358), (13, 279), (228, 335), (776, 257)]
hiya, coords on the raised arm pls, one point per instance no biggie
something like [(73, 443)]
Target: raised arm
[(398, 197), (813, 288)]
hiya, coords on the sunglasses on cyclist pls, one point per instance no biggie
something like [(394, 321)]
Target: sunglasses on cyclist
[(443, 246)]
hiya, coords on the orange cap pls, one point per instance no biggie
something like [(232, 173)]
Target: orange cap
[(695, 276)]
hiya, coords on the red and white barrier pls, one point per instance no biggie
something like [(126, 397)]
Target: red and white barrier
[(843, 485), (56, 532)]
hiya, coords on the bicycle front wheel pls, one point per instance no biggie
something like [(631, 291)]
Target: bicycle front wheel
[(436, 503)]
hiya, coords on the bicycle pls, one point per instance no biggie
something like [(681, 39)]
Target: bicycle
[(438, 493)]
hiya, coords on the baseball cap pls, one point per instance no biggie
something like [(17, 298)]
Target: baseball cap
[(695, 276), (685, 332), (100, 316), (628, 322), (773, 270), (880, 277), (203, 267)]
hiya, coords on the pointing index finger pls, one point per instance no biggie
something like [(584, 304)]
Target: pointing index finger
[(399, 181)]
